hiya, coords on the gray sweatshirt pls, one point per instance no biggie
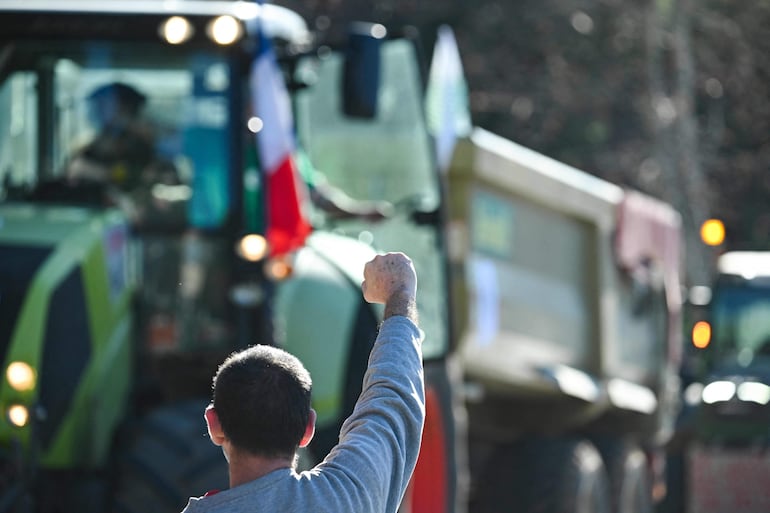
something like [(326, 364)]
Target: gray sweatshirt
[(368, 471)]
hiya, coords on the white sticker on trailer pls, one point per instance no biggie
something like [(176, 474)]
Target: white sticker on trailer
[(487, 305)]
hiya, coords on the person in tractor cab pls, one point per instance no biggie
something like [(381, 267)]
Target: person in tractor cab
[(122, 156), (123, 146), (260, 415)]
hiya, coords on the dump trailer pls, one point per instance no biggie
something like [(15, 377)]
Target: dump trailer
[(567, 306), (723, 435), (125, 280)]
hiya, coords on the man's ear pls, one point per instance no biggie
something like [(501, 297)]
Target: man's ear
[(215, 428), (309, 429)]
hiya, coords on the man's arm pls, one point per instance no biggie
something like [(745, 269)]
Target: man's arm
[(401, 304), (380, 441)]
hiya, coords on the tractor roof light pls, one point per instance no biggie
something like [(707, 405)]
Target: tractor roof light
[(224, 30), (18, 415), (176, 30), (20, 376), (252, 247)]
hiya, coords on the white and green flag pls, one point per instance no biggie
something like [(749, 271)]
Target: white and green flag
[(447, 97)]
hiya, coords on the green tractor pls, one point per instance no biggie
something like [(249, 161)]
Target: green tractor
[(721, 445), (125, 282)]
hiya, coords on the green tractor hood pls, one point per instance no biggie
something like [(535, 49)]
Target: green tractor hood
[(64, 332)]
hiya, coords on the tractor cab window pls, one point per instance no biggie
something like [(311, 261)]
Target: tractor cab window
[(742, 317), (387, 157), (17, 137), (150, 122)]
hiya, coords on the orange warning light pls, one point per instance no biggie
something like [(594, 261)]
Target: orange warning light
[(701, 334)]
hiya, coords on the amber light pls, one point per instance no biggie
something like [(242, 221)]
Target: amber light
[(279, 268), (701, 334), (712, 232)]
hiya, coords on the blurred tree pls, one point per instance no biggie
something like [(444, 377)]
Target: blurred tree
[(672, 118), (732, 54)]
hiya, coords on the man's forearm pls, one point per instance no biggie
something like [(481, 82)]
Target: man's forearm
[(401, 303)]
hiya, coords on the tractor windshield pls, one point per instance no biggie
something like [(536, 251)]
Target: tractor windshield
[(147, 128), (386, 158), (128, 113), (741, 319)]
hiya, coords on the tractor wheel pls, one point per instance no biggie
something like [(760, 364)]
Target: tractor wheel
[(544, 476), (165, 458), (630, 483)]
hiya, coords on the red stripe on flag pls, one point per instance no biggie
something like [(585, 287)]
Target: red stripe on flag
[(287, 226)]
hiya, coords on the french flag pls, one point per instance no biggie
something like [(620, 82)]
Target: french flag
[(287, 224)]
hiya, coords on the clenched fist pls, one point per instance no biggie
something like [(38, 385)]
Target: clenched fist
[(391, 279)]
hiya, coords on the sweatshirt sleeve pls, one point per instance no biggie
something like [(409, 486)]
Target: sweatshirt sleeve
[(380, 441)]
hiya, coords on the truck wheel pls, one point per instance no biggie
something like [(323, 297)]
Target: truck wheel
[(630, 484), (165, 458), (544, 476)]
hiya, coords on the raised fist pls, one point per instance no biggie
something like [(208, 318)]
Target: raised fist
[(388, 276)]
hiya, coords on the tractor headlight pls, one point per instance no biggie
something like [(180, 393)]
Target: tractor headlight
[(754, 392), (718, 391), (18, 415), (252, 247), (693, 394), (20, 376)]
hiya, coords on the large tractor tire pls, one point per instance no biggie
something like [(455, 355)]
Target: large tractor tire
[(629, 474), (165, 458), (544, 476)]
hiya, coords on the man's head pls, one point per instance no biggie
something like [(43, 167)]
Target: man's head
[(262, 402), (115, 102)]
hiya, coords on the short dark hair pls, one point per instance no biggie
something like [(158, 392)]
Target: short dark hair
[(127, 96), (262, 398)]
